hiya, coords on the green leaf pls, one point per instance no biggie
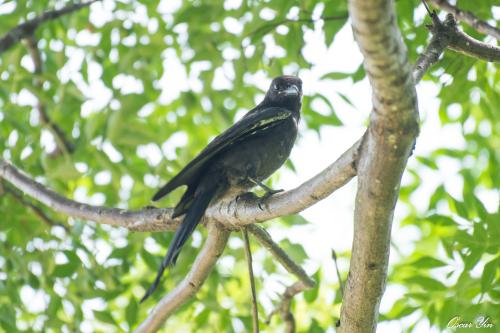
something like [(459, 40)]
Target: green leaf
[(426, 283), (336, 76), (458, 207), (441, 220), (105, 317), (310, 295), (427, 262), (131, 313), (295, 219), (295, 251), (359, 74), (400, 309), (64, 270), (8, 318), (427, 162), (152, 261), (489, 273), (315, 327), (346, 99)]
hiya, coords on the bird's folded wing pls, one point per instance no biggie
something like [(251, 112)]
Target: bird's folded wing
[(252, 123)]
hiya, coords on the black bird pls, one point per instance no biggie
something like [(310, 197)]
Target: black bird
[(236, 160)]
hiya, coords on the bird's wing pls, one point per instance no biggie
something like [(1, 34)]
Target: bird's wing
[(252, 123)]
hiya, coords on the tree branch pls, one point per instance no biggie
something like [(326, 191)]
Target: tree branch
[(36, 210), (383, 155), (62, 142), (446, 35), (284, 307), (205, 261), (27, 28), (305, 282), (232, 213), (465, 44), (468, 17), (439, 42), (154, 219), (248, 254), (265, 240)]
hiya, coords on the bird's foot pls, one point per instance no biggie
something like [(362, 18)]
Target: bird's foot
[(269, 192), (250, 196)]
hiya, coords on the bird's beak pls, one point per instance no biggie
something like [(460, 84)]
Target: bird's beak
[(292, 90)]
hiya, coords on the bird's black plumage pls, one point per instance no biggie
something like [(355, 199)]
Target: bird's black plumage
[(243, 155)]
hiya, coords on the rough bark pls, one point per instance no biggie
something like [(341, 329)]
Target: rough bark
[(383, 155), (232, 213)]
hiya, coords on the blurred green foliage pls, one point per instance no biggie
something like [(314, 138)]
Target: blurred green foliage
[(103, 83)]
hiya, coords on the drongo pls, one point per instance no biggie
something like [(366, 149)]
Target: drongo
[(235, 161)]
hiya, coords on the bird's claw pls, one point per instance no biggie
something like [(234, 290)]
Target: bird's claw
[(246, 196), (273, 192), (266, 196)]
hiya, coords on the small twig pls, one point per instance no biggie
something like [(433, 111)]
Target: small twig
[(436, 47), (27, 28), (62, 142), (447, 35), (341, 283), (469, 18), (272, 25), (248, 253), (305, 282), (465, 44), (37, 210), (265, 239), (284, 307)]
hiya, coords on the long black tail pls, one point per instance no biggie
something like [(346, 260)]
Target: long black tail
[(202, 197)]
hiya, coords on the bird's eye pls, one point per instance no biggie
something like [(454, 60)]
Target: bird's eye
[(276, 87)]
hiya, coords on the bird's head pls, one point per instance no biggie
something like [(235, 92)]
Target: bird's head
[(285, 89)]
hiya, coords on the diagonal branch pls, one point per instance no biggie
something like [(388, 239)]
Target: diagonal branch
[(284, 307), (460, 42), (27, 28), (205, 261), (468, 17), (305, 282), (439, 42), (447, 35), (60, 138), (36, 210), (265, 240)]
